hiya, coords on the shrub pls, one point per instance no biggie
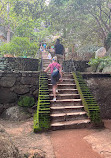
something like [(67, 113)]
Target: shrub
[(26, 101), (99, 63), (19, 46)]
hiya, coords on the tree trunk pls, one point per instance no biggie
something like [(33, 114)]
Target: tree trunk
[(8, 34), (8, 30)]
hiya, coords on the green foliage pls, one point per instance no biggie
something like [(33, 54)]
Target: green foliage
[(26, 101), (59, 2), (83, 20), (78, 22), (5, 48), (23, 18), (87, 49), (19, 46), (99, 63)]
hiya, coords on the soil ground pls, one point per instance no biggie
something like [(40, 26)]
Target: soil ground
[(72, 143)]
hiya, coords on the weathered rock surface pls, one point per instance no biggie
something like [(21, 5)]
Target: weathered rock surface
[(100, 52), (35, 154), (7, 147), (15, 113), (6, 96), (29, 144), (5, 106), (21, 89), (14, 84), (101, 90), (101, 142), (7, 81), (29, 80)]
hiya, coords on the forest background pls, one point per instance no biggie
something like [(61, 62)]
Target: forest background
[(81, 24)]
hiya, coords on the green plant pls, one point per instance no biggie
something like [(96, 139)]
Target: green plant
[(26, 101), (19, 46), (99, 63)]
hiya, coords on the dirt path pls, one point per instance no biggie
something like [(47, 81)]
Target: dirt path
[(26, 140), (71, 144), (56, 144)]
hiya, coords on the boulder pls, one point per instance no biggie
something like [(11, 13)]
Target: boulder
[(6, 96), (7, 81), (100, 52), (16, 113), (21, 89), (3, 107), (29, 80)]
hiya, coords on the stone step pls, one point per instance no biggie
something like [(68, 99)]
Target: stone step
[(64, 76), (65, 96), (66, 109), (66, 102), (46, 60), (66, 91), (64, 86), (68, 77), (67, 74), (45, 65), (76, 124), (65, 81), (59, 117)]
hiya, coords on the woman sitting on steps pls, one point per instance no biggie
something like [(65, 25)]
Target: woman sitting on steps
[(58, 77)]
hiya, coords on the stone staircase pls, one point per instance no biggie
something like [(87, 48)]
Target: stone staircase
[(67, 111)]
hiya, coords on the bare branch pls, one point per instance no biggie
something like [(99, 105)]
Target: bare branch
[(99, 24), (101, 19)]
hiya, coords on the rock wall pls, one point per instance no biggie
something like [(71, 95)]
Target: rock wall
[(100, 86), (72, 65), (18, 64), (16, 84)]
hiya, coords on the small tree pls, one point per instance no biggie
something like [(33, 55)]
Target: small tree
[(19, 46)]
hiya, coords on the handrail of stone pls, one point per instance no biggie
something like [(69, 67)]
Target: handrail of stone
[(89, 103), (42, 116)]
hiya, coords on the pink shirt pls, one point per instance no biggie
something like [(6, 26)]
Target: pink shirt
[(52, 65)]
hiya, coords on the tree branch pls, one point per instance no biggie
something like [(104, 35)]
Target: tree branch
[(100, 17), (99, 24)]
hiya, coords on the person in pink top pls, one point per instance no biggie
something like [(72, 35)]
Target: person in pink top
[(54, 80)]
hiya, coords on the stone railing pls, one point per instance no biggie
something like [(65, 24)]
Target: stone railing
[(16, 84), (18, 64), (100, 86)]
